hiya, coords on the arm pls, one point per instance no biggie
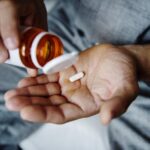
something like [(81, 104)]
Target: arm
[(141, 54)]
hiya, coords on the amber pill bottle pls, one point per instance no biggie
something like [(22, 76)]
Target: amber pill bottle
[(37, 48)]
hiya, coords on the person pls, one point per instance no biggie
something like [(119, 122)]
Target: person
[(112, 71), (14, 14)]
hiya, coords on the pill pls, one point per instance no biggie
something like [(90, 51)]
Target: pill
[(76, 77)]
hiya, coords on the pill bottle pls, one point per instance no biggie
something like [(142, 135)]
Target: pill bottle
[(37, 48), (41, 50)]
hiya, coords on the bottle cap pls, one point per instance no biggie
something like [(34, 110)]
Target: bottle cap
[(60, 63)]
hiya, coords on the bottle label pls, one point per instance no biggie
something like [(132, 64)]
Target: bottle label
[(34, 48), (14, 58)]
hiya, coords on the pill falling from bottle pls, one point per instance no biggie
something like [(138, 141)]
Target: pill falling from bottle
[(77, 76)]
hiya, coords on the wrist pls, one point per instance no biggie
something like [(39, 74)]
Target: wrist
[(141, 54)]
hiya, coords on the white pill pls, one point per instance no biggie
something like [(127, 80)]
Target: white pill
[(76, 77)]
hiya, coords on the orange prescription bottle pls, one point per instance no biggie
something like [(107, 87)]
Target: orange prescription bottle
[(38, 50)]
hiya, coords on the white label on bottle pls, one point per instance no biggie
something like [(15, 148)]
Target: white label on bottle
[(14, 58), (34, 48)]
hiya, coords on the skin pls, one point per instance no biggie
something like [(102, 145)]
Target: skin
[(13, 15), (109, 86)]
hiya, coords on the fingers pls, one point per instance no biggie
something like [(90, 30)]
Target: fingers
[(8, 29), (42, 114), (38, 109), (50, 114), (80, 105), (53, 114), (9, 24), (42, 79), (35, 109), (17, 103), (39, 90), (57, 100)]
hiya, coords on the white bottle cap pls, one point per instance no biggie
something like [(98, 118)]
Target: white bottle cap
[(60, 63)]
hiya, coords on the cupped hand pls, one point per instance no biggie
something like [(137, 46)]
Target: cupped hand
[(108, 87), (13, 15)]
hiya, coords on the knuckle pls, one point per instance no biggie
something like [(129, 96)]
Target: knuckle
[(53, 88)]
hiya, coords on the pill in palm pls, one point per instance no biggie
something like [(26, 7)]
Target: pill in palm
[(76, 77)]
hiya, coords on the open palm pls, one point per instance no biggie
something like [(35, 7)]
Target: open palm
[(109, 86)]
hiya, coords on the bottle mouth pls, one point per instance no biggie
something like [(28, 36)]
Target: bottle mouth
[(60, 63)]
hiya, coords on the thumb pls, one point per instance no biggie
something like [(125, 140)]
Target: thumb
[(117, 105), (9, 24)]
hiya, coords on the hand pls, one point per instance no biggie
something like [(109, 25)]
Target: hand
[(109, 86), (14, 14)]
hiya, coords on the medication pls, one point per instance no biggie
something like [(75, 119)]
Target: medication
[(37, 48), (76, 77), (41, 50)]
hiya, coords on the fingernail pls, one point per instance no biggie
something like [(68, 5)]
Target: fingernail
[(11, 43), (20, 84)]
